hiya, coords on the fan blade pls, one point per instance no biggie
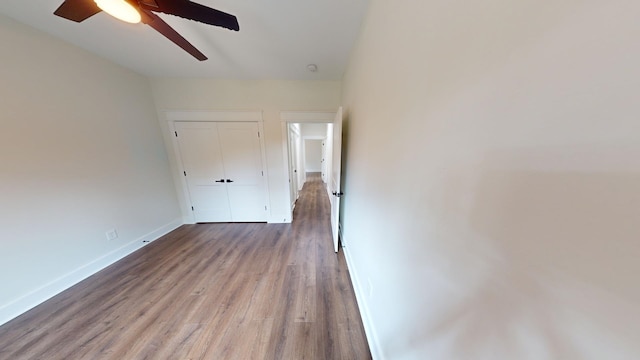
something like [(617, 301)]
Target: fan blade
[(77, 10), (193, 11), (163, 28)]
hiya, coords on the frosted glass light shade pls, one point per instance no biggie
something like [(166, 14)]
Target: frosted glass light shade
[(120, 9)]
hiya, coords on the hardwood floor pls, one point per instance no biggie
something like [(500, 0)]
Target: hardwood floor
[(208, 291)]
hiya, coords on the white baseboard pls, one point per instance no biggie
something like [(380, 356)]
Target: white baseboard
[(369, 329), (30, 300)]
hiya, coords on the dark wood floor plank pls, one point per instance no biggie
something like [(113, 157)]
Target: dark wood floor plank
[(208, 291)]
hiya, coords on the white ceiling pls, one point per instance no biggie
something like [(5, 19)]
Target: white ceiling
[(277, 38)]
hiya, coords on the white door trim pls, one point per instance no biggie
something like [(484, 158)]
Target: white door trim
[(307, 116), (173, 116)]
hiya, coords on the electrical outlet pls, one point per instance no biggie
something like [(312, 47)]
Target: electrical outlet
[(111, 234)]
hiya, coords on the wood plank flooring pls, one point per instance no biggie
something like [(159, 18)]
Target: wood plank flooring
[(208, 291)]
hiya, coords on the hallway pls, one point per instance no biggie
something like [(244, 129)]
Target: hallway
[(208, 291)]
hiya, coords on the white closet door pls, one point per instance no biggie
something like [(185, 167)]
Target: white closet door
[(224, 170), (242, 156), (204, 170)]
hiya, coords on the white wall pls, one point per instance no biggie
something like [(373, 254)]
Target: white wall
[(313, 155), (80, 153), (493, 179), (316, 131), (313, 130), (269, 96)]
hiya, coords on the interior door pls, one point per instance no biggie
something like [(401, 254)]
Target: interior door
[(242, 157), (302, 176), (324, 161), (204, 170), (334, 182)]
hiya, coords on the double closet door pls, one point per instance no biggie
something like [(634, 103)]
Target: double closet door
[(224, 171)]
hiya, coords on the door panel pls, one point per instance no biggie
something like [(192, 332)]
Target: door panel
[(243, 166), (202, 161)]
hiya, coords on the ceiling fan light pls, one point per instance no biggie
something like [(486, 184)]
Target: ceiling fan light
[(120, 9)]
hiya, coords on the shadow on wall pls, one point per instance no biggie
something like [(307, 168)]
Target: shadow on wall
[(561, 280)]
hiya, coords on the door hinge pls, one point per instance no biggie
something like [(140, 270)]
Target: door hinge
[(176, 133), (258, 134), (192, 209), (265, 207), (262, 173), (185, 173)]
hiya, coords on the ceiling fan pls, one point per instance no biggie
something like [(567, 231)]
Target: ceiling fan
[(135, 11)]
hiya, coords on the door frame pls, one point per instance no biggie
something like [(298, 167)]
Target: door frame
[(173, 116), (298, 117), (294, 164)]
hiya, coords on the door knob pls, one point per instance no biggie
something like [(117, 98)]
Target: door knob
[(220, 181), (229, 180), (338, 194)]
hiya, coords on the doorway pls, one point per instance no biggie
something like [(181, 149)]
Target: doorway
[(307, 154), (328, 128)]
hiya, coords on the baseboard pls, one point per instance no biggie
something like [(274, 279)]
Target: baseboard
[(26, 302), (369, 329)]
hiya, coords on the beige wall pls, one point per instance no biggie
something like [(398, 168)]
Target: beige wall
[(269, 96), (80, 153), (492, 179)]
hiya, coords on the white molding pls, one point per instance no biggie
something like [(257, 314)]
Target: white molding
[(189, 115), (307, 116), (294, 128), (34, 298), (367, 321)]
